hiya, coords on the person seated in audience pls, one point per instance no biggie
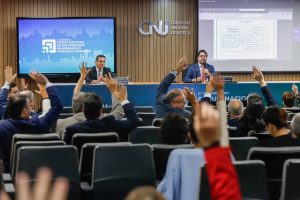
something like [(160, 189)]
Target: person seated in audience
[(251, 119), (235, 109), (295, 126), (297, 95), (10, 89), (174, 129), (92, 112), (181, 180), (19, 120), (275, 119), (288, 99), (78, 103), (42, 189), (174, 100), (144, 193)]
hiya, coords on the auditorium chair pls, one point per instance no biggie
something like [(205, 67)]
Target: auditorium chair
[(87, 156), (252, 179), (157, 122), (79, 139), (67, 109), (240, 146), (61, 160), (144, 109), (119, 169), (161, 154), (260, 136), (274, 158), (290, 180), (145, 134), (106, 109), (293, 110), (65, 115), (147, 118), (290, 116)]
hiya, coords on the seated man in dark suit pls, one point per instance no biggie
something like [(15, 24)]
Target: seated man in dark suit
[(19, 118), (200, 71), (92, 111), (98, 72)]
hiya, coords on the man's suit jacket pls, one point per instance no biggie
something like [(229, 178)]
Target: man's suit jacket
[(193, 71), (106, 124), (92, 75)]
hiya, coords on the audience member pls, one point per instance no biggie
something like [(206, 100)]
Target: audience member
[(295, 126), (144, 193), (42, 189), (235, 109), (174, 129), (98, 72), (275, 119), (18, 109), (288, 99), (92, 111), (78, 103), (200, 71), (297, 95)]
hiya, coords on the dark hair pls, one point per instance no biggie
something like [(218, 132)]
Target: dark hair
[(15, 106), (288, 99), (253, 97), (174, 129), (193, 137), (171, 95), (92, 106), (276, 116), (12, 85), (100, 56), (201, 51)]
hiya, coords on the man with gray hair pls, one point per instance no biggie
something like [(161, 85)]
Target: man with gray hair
[(235, 109), (295, 126), (78, 104)]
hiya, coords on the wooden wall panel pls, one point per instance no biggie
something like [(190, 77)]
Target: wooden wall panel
[(143, 58)]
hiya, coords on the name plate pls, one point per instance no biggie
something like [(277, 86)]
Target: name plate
[(122, 80)]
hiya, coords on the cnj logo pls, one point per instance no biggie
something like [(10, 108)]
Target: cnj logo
[(147, 27), (49, 46)]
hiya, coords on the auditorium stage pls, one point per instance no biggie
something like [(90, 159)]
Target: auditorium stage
[(143, 94)]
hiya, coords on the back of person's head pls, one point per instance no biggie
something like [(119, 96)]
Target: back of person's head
[(235, 107), (144, 193), (295, 125), (254, 108), (172, 94), (288, 99), (92, 106), (13, 89), (28, 93), (174, 129), (276, 116), (253, 96), (78, 102), (15, 106)]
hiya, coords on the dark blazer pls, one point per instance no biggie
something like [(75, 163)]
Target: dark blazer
[(106, 124), (193, 71), (92, 75), (35, 125)]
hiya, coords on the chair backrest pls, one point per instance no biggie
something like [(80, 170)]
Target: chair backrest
[(79, 139), (290, 180), (119, 169), (147, 118), (145, 134), (157, 122), (290, 116), (252, 179), (240, 146), (161, 154), (20, 144), (61, 160), (65, 115), (86, 159), (31, 137), (106, 109), (293, 110), (144, 109), (274, 159), (261, 136), (67, 109)]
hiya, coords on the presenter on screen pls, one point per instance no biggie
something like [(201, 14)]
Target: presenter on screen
[(200, 71), (98, 72)]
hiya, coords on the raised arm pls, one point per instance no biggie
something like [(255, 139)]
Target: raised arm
[(83, 73)]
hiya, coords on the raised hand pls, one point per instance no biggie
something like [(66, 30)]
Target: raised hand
[(42, 91), (181, 64), (24, 85), (83, 70), (39, 78), (218, 84), (111, 84), (190, 95), (295, 89), (122, 92), (8, 74), (258, 75)]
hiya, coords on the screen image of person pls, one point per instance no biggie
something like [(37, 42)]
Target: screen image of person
[(97, 73), (199, 72)]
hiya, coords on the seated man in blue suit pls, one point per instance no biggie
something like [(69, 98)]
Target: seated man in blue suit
[(99, 71), (200, 71)]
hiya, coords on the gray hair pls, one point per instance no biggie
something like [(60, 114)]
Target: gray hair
[(27, 93), (78, 102), (235, 107), (296, 124)]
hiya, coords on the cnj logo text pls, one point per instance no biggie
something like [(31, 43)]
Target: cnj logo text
[(149, 26)]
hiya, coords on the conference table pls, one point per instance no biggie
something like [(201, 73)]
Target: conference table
[(143, 94)]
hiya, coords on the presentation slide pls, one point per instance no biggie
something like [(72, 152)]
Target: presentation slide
[(58, 45), (238, 34)]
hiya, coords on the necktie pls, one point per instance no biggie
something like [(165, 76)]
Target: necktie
[(99, 73), (202, 74)]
